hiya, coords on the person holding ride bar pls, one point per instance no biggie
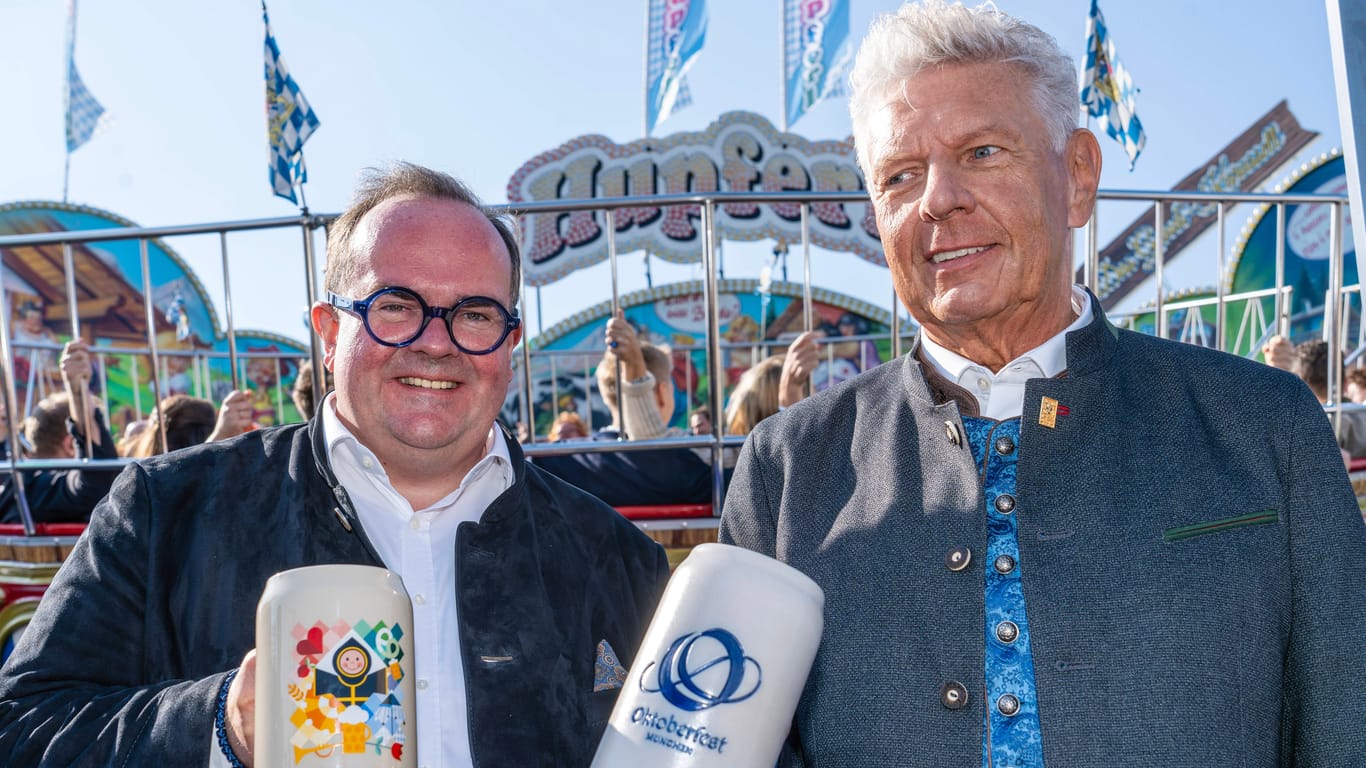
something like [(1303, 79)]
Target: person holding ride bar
[(529, 595), (1045, 541)]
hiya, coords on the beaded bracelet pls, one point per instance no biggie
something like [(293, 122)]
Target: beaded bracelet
[(220, 722)]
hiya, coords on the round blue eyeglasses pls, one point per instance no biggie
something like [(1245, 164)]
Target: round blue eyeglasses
[(396, 317)]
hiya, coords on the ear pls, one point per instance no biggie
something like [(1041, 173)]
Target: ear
[(323, 317), (1083, 158), (512, 341)]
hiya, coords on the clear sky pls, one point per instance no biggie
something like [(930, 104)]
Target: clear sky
[(478, 88)]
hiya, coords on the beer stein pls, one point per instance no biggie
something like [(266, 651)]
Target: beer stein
[(334, 663), (723, 663)]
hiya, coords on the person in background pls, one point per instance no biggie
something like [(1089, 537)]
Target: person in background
[(57, 429), (1309, 361), (528, 594), (302, 393), (699, 421), (567, 426), (1044, 540), (34, 371), (773, 385), (1356, 385), (191, 421), (631, 478), (863, 353)]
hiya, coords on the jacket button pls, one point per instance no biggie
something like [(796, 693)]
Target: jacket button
[(1008, 705), (1005, 503), (1004, 564), (1004, 445), (951, 432), (958, 558), (1006, 632), (953, 695)]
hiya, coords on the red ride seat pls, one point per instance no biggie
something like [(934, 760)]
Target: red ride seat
[(44, 529), (666, 511)]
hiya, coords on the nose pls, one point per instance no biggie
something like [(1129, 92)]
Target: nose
[(435, 339), (945, 194)]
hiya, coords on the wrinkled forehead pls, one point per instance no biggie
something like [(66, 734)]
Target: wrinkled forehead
[(940, 89)]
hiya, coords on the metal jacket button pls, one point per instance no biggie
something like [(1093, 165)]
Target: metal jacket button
[(1008, 705), (1005, 503), (958, 558), (953, 695), (1006, 632)]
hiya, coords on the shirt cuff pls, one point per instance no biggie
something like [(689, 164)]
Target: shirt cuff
[(220, 749), (216, 757)]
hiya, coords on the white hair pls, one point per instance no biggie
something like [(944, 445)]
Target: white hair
[(934, 32)]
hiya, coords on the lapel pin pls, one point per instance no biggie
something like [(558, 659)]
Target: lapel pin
[(1049, 411)]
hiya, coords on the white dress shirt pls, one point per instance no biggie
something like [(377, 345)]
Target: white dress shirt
[(419, 545), (1000, 395)]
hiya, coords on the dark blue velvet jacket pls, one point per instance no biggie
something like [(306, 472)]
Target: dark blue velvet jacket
[(124, 658)]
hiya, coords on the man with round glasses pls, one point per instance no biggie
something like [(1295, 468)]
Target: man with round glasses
[(529, 595)]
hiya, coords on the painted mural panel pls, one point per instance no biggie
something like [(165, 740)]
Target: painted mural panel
[(193, 352), (752, 324)]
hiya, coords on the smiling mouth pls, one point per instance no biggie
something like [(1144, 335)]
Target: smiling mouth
[(427, 383), (940, 258)]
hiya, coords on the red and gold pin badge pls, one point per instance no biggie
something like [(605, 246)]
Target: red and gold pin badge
[(1049, 411)]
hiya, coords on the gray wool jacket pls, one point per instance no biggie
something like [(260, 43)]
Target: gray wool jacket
[(1190, 548)]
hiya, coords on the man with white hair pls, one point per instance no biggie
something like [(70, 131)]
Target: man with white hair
[(1044, 540)]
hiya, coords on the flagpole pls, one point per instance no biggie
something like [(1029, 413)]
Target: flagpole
[(66, 98), (645, 100), (782, 63), (303, 167)]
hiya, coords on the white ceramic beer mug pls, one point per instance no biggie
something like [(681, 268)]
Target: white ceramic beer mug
[(718, 675), (334, 663)]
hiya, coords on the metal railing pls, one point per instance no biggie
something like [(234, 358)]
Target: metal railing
[(1253, 326)]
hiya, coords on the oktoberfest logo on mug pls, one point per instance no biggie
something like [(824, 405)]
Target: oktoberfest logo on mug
[(699, 671), (703, 669)]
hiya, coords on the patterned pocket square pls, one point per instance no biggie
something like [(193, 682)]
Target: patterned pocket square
[(608, 674)]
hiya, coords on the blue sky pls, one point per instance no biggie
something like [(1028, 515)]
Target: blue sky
[(478, 88)]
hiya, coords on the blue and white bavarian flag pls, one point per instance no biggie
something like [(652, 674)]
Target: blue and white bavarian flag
[(84, 115), (1107, 92), (817, 54), (289, 121), (678, 29)]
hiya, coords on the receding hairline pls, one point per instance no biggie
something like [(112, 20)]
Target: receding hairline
[(403, 180), (364, 228)]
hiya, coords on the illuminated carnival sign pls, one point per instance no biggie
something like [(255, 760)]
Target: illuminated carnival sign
[(1241, 166), (740, 152)]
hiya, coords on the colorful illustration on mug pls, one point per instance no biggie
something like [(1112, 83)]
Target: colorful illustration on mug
[(345, 690)]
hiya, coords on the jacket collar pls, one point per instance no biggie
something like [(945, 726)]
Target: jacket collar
[(1088, 349)]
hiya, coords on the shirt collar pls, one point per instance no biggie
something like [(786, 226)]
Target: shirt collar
[(345, 449), (1046, 360)]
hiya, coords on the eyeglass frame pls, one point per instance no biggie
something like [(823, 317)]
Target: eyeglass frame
[(361, 308)]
